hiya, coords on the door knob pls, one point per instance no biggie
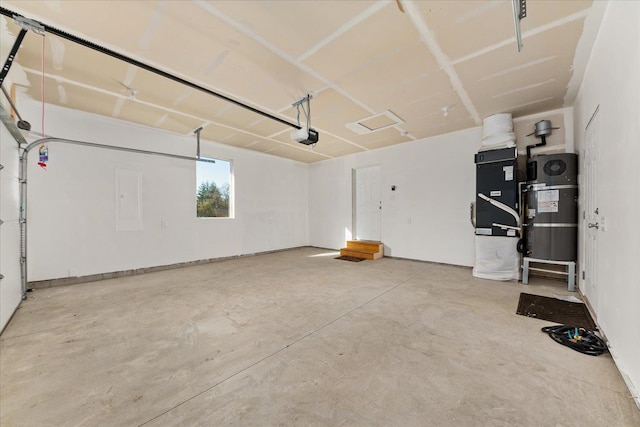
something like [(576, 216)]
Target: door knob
[(596, 226)]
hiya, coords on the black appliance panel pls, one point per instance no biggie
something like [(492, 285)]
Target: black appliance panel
[(496, 178)]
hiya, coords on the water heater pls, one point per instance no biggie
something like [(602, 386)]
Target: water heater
[(551, 207)]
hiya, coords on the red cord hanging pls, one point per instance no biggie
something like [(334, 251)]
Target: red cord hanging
[(43, 155)]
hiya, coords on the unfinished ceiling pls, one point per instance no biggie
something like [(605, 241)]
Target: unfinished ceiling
[(381, 72)]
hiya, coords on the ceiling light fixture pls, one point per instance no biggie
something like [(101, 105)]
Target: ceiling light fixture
[(519, 13), (446, 109)]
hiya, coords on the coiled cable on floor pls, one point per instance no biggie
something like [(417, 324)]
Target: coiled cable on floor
[(579, 339)]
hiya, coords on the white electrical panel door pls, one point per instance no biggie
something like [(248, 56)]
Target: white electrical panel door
[(128, 200)]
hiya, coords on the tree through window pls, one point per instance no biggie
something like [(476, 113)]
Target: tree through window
[(213, 189)]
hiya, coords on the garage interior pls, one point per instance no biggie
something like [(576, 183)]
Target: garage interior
[(134, 307)]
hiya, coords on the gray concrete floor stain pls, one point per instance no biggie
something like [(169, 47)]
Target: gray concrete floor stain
[(298, 338)]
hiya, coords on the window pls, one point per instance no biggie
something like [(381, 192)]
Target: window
[(213, 189)]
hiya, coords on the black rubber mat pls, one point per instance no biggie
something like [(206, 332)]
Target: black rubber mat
[(350, 258), (555, 310)]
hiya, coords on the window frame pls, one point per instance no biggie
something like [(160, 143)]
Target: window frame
[(231, 213)]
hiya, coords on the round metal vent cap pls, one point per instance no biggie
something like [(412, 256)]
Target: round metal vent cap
[(543, 128)]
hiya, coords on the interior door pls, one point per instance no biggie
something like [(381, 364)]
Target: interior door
[(368, 203), (590, 213)]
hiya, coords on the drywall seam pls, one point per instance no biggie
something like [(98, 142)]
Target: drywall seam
[(118, 107), (161, 120), (583, 49), (130, 75), (16, 8), (62, 94), (216, 12), (443, 60), (541, 115), (57, 52), (551, 25), (526, 104), (361, 17), (216, 62), (154, 25), (477, 11), (123, 98), (523, 88), (208, 7), (516, 68), (183, 96)]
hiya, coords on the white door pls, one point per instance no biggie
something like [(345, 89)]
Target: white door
[(590, 211), (367, 204)]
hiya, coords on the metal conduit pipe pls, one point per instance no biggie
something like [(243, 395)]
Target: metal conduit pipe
[(23, 166)]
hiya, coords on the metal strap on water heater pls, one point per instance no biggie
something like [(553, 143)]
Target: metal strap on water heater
[(548, 224), (542, 187)]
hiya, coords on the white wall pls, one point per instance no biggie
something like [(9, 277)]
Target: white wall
[(560, 141), (72, 226), (612, 81), (10, 287), (426, 218)]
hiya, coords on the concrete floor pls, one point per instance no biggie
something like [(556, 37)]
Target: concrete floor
[(298, 338)]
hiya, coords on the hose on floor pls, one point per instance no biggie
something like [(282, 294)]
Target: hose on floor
[(579, 339)]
